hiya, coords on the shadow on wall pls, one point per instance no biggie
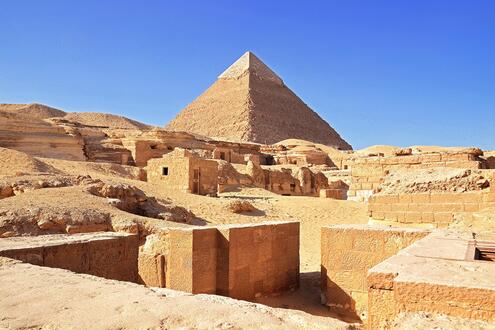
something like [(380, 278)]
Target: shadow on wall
[(339, 301), (490, 162), (307, 299)]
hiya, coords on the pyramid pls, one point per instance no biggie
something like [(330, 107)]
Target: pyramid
[(250, 103)]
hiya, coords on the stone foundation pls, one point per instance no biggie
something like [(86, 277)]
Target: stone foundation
[(438, 275), (109, 255), (347, 253)]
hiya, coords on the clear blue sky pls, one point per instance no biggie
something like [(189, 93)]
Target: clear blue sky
[(380, 72)]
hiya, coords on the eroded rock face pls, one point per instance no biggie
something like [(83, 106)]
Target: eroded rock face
[(51, 220), (256, 173), (435, 180), (17, 185), (239, 206), (133, 200), (228, 175), (38, 137)]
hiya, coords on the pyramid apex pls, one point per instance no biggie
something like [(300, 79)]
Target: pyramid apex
[(250, 62)]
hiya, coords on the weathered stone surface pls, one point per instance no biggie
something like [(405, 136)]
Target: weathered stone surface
[(239, 261), (108, 255), (437, 274), (249, 102), (38, 138), (348, 252), (89, 302)]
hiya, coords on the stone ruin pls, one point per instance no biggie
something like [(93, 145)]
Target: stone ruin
[(426, 247)]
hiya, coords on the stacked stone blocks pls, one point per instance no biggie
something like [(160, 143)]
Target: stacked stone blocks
[(435, 209), (109, 255), (239, 261), (347, 253)]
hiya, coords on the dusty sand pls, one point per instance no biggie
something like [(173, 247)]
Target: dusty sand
[(58, 299)]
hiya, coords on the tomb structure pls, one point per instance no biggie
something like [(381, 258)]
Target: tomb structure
[(239, 261), (183, 170)]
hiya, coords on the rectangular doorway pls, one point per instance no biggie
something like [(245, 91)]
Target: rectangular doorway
[(196, 181)]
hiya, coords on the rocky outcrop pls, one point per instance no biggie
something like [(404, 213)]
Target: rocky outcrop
[(133, 200), (239, 206), (38, 137)]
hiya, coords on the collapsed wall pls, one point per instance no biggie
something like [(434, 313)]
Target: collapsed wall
[(368, 173), (287, 181), (239, 261)]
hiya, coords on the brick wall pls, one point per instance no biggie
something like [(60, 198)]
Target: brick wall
[(109, 255), (239, 261), (347, 253), (434, 209)]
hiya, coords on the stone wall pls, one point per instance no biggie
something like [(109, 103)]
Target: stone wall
[(239, 261), (144, 150), (208, 171), (287, 181), (184, 171), (428, 209), (178, 171), (109, 255), (434, 275), (347, 253), (368, 172)]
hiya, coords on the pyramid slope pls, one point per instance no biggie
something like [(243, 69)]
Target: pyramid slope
[(222, 111), (279, 114), (252, 64), (250, 103)]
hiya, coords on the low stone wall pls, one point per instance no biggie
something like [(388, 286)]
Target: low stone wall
[(109, 255), (239, 261), (333, 193), (435, 275), (368, 172), (428, 209), (347, 253)]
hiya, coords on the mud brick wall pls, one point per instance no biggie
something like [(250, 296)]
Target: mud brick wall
[(365, 179), (428, 209), (110, 255), (142, 151), (239, 261), (347, 253), (368, 172)]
